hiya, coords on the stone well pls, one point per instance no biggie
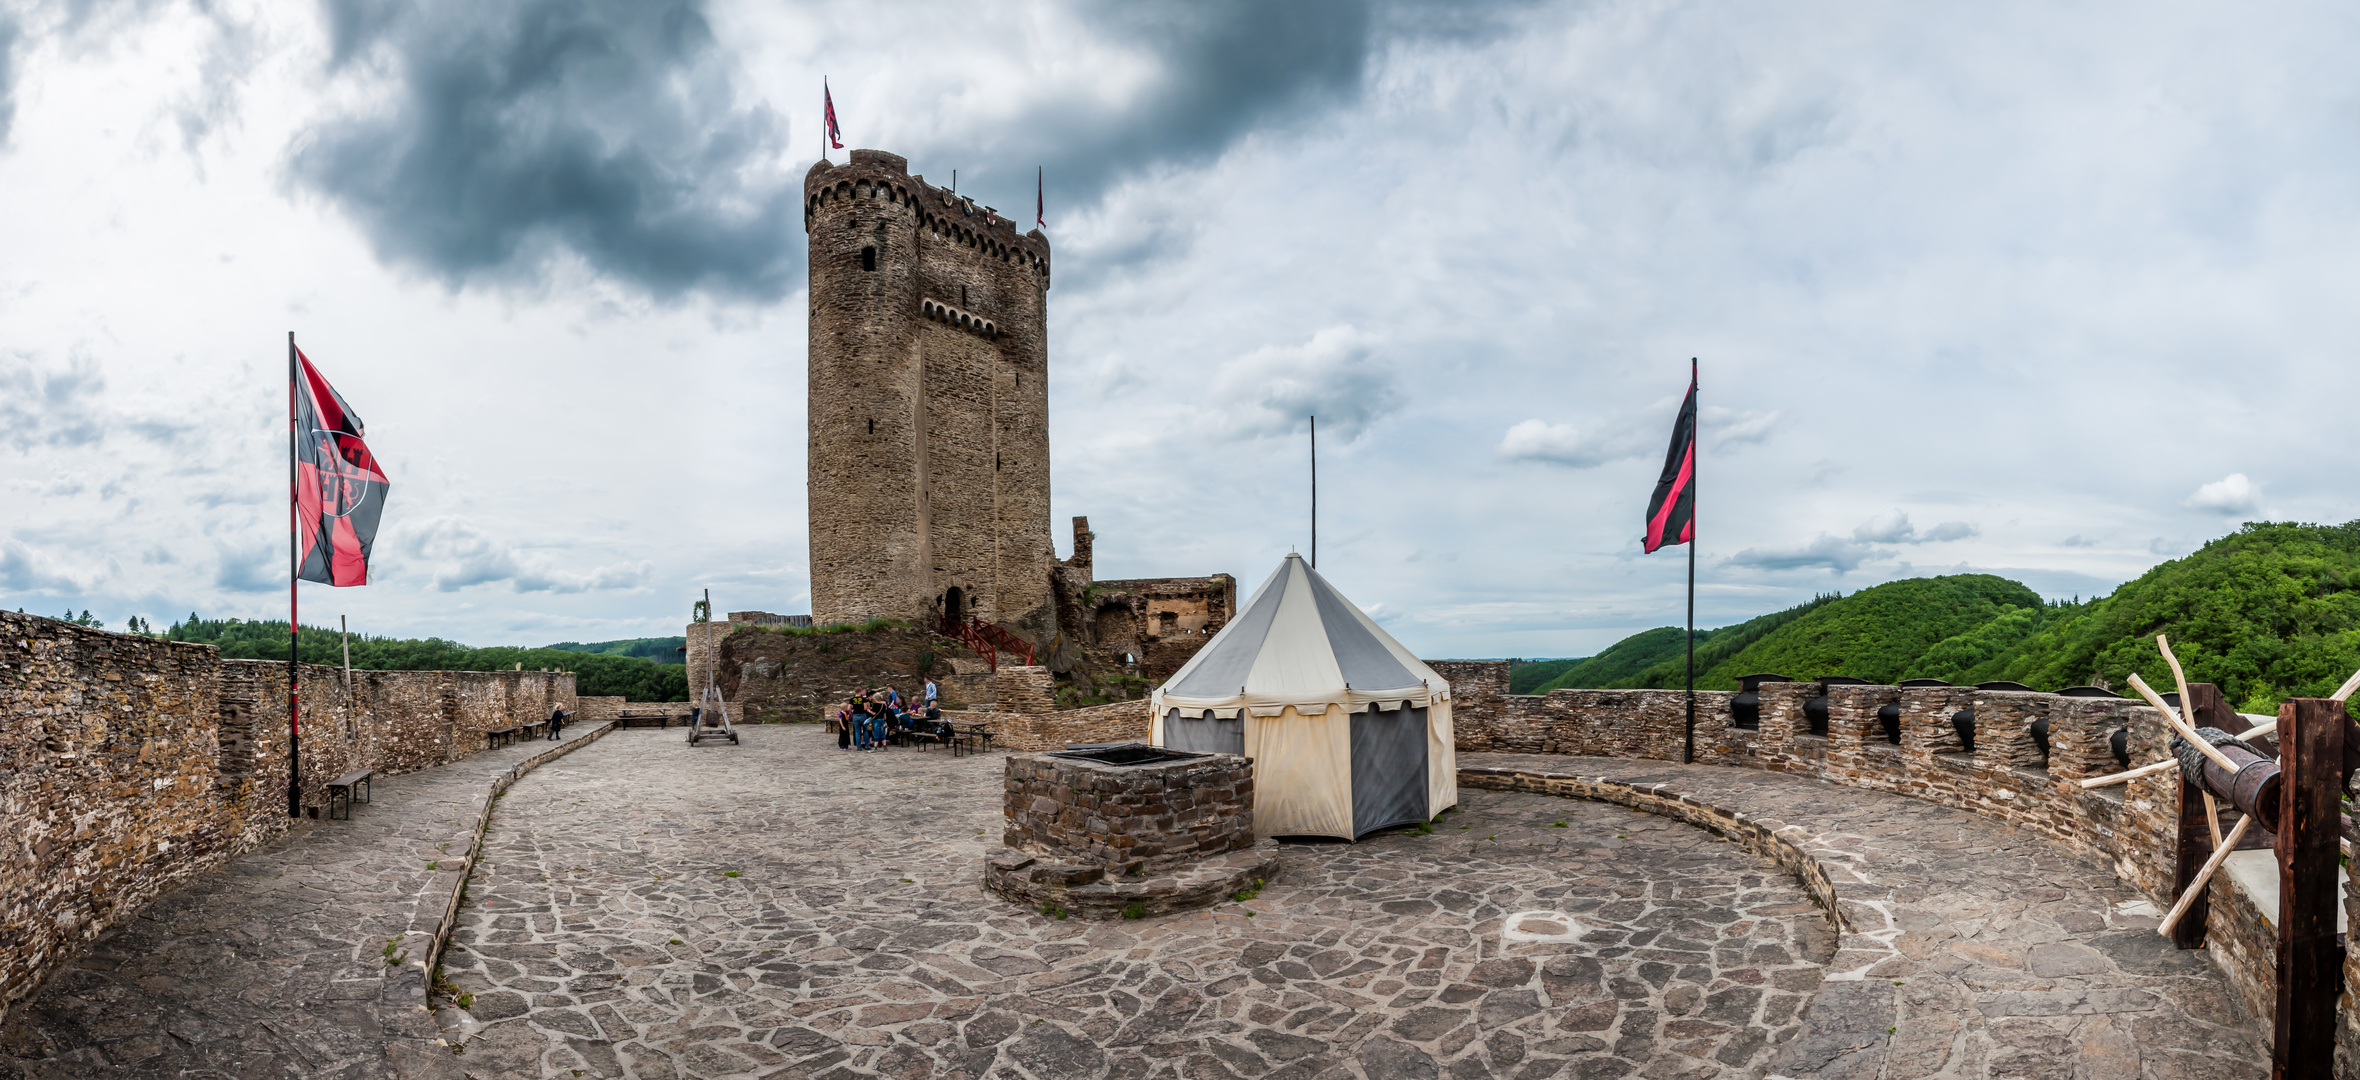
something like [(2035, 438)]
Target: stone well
[(1128, 829)]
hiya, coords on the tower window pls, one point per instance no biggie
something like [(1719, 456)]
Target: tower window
[(868, 258), (872, 426), (962, 296)]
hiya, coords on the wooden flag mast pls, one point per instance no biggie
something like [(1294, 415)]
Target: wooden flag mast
[(294, 574)]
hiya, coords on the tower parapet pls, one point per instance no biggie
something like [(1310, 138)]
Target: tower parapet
[(929, 406)]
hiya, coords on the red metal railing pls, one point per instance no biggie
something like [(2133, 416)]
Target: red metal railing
[(988, 640)]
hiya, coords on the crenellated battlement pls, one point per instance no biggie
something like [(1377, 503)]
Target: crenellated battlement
[(881, 181)]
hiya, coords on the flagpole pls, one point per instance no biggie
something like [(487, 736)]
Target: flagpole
[(1315, 493), (294, 574), (1695, 455)]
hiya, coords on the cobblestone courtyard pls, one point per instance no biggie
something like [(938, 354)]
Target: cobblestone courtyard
[(784, 908)]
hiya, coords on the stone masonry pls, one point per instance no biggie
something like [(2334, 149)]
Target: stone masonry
[(129, 764), (2004, 777), (929, 407), (1136, 817)]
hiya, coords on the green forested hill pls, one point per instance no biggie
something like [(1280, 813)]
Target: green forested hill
[(662, 650), (596, 675), (2268, 612)]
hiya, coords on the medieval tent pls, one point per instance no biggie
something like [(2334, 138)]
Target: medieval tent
[(1349, 732)]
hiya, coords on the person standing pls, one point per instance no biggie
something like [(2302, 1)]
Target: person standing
[(930, 692), (556, 722)]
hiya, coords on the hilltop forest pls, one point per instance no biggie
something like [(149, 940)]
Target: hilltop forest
[(597, 674), (2268, 612)]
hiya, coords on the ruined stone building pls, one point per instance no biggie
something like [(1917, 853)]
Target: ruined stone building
[(929, 431)]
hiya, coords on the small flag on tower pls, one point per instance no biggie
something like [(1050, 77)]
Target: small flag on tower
[(828, 100), (1671, 514), (1040, 198)]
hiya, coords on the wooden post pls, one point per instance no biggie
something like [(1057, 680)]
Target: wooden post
[(2204, 707), (2310, 964)]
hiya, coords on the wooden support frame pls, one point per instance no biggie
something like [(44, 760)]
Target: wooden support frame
[(2199, 827), (2310, 879)]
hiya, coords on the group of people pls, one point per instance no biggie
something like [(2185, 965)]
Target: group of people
[(874, 719)]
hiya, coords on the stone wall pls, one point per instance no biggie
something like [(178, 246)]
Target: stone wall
[(1142, 819), (1157, 621), (2131, 826), (129, 764), (928, 421), (1122, 721)]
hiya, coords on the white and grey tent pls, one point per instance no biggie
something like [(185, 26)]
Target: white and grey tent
[(1349, 732)]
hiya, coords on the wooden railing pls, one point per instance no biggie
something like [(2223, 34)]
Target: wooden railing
[(988, 640)]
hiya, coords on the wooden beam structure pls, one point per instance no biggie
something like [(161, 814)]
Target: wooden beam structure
[(2199, 829), (2310, 880)]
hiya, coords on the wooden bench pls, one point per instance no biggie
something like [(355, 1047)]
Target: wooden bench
[(643, 719), (500, 736), (343, 788), (973, 738)]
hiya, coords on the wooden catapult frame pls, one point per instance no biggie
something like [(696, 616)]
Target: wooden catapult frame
[(2318, 749)]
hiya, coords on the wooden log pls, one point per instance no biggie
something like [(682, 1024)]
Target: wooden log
[(2266, 727), (2199, 817), (2195, 889), (2192, 854), (2310, 963), (2171, 716)]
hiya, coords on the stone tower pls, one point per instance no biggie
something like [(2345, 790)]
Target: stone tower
[(929, 409)]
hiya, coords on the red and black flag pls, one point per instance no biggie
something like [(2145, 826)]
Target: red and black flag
[(339, 488), (1671, 514), (828, 101)]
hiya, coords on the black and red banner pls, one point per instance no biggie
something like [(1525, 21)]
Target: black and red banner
[(1671, 514), (339, 488), (828, 103)]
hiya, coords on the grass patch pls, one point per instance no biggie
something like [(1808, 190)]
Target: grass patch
[(1135, 911), (1249, 892), (1050, 909), (733, 873)]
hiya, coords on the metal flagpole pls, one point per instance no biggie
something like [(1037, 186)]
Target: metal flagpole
[(1315, 493), (1695, 456), (294, 574)]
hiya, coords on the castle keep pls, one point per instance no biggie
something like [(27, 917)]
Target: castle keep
[(929, 409)]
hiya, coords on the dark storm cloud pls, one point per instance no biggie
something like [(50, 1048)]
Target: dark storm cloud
[(1225, 68), (608, 129)]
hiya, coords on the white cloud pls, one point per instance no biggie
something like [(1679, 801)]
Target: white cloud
[(1338, 375), (2229, 496), (1895, 528), (1565, 444), (1827, 552), (465, 556)]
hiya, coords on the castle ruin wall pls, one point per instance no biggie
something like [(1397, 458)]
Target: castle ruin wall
[(129, 765)]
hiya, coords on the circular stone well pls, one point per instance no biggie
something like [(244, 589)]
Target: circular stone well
[(1129, 830)]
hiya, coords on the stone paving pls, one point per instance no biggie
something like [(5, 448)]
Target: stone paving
[(270, 966), (782, 908), (1981, 951)]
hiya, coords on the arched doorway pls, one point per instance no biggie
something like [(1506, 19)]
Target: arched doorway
[(954, 606)]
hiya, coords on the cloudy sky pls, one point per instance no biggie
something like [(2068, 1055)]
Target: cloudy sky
[(2036, 289)]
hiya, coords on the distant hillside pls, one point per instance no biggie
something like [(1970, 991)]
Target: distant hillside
[(1651, 656), (2268, 612), (596, 675), (662, 650), (1524, 675)]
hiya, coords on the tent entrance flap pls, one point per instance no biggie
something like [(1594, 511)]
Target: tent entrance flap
[(1388, 769), (1202, 736)]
